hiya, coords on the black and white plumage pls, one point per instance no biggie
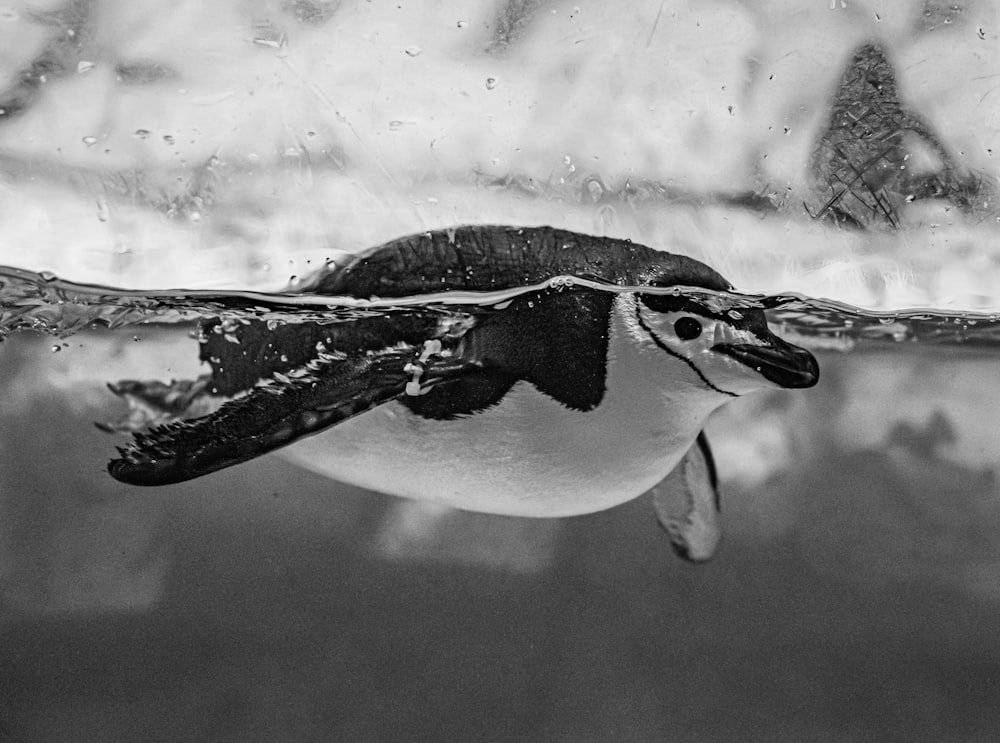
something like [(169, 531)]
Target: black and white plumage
[(560, 401)]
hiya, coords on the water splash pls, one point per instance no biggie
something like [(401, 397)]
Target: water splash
[(45, 303)]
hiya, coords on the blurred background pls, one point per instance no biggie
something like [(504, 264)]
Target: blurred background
[(242, 144)]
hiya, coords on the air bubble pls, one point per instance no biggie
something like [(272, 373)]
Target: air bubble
[(491, 82), (90, 141), (412, 51)]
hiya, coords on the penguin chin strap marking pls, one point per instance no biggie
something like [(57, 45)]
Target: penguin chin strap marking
[(413, 387), (663, 346)]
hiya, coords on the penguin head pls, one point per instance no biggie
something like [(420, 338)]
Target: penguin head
[(731, 350)]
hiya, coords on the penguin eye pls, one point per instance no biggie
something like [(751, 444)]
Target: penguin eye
[(687, 328)]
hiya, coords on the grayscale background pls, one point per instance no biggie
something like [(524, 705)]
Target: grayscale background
[(241, 143)]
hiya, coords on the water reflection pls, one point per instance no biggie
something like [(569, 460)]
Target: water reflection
[(860, 558)]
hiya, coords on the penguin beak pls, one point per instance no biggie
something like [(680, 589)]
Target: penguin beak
[(776, 360)]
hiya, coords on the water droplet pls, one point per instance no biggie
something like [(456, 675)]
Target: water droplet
[(168, 138), (56, 349), (412, 51), (887, 320), (462, 24), (491, 82), (89, 140), (47, 276), (83, 66), (103, 212)]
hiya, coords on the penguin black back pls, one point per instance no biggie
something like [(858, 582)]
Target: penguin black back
[(493, 257)]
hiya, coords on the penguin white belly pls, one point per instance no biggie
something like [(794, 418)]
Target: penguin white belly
[(529, 455)]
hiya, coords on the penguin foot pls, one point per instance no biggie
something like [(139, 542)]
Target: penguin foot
[(153, 403), (687, 504)]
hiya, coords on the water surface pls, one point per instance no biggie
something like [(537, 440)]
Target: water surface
[(854, 595)]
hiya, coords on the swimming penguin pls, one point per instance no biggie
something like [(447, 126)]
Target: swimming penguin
[(561, 400)]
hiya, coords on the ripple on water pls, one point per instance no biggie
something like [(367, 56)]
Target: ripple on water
[(45, 303)]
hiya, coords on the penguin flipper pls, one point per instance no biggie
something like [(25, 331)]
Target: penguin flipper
[(693, 523), (269, 416)]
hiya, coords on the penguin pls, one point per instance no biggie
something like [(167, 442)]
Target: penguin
[(563, 399)]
